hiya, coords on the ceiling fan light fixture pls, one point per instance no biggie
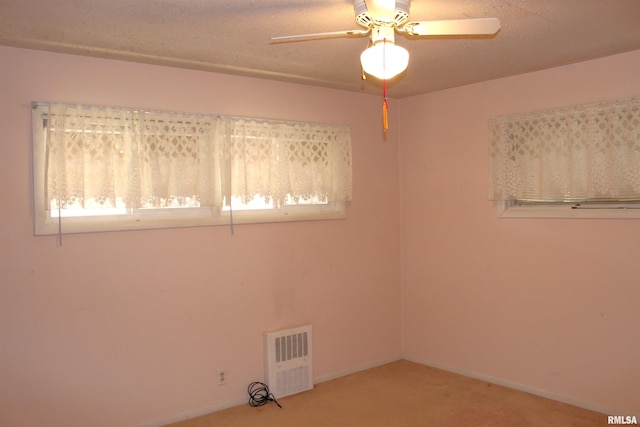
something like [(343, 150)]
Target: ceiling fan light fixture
[(384, 60)]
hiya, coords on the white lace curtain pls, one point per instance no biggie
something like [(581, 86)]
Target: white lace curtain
[(118, 158), (286, 160), (568, 154)]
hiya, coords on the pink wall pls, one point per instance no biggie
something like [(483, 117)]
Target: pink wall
[(547, 305), (123, 328)]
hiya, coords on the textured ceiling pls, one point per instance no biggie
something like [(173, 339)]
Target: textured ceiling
[(233, 37)]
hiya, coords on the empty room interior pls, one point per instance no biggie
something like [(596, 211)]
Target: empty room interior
[(421, 261)]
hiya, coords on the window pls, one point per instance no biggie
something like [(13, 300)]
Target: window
[(581, 162), (99, 169)]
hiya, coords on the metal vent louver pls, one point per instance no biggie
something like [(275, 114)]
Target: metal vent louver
[(288, 361)]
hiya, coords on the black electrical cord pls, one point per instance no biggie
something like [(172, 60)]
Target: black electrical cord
[(259, 394)]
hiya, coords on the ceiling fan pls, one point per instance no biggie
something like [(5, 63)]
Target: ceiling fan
[(382, 19)]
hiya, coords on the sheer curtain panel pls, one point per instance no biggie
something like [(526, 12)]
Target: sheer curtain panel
[(105, 158), (280, 161)]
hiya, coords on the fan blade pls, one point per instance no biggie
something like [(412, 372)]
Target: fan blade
[(381, 10), (317, 36), (452, 27)]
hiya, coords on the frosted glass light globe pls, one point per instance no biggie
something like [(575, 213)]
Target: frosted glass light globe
[(384, 60)]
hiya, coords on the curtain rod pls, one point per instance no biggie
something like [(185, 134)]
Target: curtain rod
[(38, 104)]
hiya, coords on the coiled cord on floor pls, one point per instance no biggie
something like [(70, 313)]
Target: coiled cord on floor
[(259, 394)]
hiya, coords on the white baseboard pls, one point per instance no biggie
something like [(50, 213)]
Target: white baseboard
[(343, 373), (591, 406), (192, 414)]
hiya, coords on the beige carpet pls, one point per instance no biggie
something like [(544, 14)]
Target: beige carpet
[(404, 394)]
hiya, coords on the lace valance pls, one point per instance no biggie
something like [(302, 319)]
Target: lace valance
[(576, 153)]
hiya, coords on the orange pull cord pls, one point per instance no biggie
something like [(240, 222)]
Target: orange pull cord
[(385, 104), (385, 107)]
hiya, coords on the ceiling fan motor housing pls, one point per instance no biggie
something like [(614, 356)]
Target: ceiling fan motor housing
[(382, 34), (366, 20)]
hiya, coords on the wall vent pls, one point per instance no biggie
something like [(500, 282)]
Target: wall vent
[(287, 361)]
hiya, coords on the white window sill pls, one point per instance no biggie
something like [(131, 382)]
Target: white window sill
[(184, 218)]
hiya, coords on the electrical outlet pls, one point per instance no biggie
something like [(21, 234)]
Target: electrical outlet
[(222, 377)]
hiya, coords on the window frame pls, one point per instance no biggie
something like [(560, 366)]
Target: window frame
[(46, 223), (570, 162)]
